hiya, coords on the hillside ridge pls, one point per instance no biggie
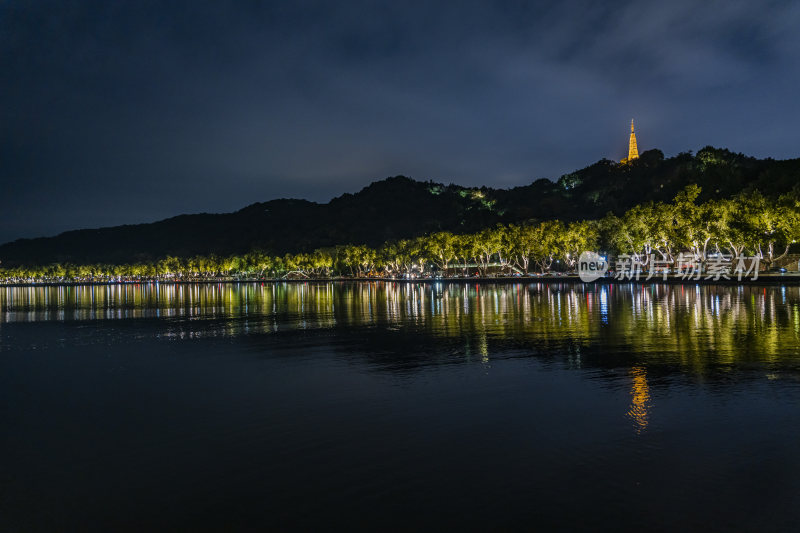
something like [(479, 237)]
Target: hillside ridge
[(401, 207)]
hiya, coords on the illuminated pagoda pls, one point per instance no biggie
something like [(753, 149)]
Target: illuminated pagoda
[(633, 150)]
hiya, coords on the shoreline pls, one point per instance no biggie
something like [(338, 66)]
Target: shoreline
[(765, 279)]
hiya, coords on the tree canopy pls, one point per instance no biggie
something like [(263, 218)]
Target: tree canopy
[(762, 226)]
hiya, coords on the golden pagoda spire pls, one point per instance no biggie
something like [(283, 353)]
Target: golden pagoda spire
[(633, 150)]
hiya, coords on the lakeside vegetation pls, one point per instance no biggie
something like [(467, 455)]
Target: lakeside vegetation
[(749, 223)]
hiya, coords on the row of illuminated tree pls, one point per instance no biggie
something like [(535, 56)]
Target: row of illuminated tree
[(749, 224)]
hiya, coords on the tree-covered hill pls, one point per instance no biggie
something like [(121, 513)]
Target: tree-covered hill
[(400, 207)]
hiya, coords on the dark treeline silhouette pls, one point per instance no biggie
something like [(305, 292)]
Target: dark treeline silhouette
[(667, 233), (399, 208)]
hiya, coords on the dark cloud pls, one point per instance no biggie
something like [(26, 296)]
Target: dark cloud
[(118, 112)]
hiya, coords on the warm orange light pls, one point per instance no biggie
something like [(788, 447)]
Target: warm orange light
[(640, 398)]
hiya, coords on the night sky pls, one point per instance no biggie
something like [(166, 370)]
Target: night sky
[(117, 112)]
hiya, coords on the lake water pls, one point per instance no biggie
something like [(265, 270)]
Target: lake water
[(399, 406)]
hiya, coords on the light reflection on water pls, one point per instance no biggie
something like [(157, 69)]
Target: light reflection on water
[(694, 330), (640, 398), (684, 320), (379, 401)]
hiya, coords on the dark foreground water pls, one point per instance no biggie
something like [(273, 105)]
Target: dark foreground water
[(400, 406)]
